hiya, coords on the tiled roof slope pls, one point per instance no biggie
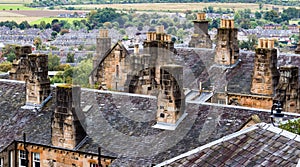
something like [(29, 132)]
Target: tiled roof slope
[(199, 66), (15, 121), (260, 145), (121, 124)]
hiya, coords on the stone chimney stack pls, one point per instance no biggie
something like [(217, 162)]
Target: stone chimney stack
[(37, 80), (200, 38), (136, 49), (103, 45), (265, 75), (67, 124), (287, 90), (20, 66), (227, 49), (157, 40), (171, 99)]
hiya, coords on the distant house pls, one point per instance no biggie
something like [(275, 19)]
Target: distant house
[(294, 28), (272, 26)]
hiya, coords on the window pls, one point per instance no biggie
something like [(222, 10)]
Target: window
[(36, 159), (22, 158), (1, 162), (11, 153), (94, 165), (117, 70)]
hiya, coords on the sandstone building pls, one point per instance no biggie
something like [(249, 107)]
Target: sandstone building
[(148, 72), (258, 85), (88, 127)]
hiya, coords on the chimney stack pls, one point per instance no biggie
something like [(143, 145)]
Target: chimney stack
[(265, 74), (227, 49), (102, 46), (20, 68), (67, 125), (37, 80), (287, 90)]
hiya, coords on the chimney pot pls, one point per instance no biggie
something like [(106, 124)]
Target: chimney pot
[(103, 33), (136, 49), (160, 29)]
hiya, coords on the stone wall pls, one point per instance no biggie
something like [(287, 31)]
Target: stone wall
[(253, 101)]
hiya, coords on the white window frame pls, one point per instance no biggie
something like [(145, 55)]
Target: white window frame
[(94, 165), (1, 162), (36, 158), (22, 155), (11, 158)]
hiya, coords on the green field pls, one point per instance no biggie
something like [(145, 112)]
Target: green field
[(49, 20), (294, 21), (16, 1), (14, 7)]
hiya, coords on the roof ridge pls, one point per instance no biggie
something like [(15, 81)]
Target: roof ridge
[(282, 132)]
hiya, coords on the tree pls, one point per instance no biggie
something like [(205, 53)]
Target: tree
[(56, 27), (53, 34), (37, 42), (271, 16), (250, 43), (261, 5), (107, 24), (70, 58), (42, 25), (9, 52), (291, 13), (95, 18), (5, 66), (82, 72), (257, 15), (11, 56), (53, 62), (24, 25), (292, 126)]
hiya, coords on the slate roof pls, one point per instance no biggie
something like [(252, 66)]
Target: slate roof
[(120, 124), (199, 66), (260, 145), (16, 121)]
